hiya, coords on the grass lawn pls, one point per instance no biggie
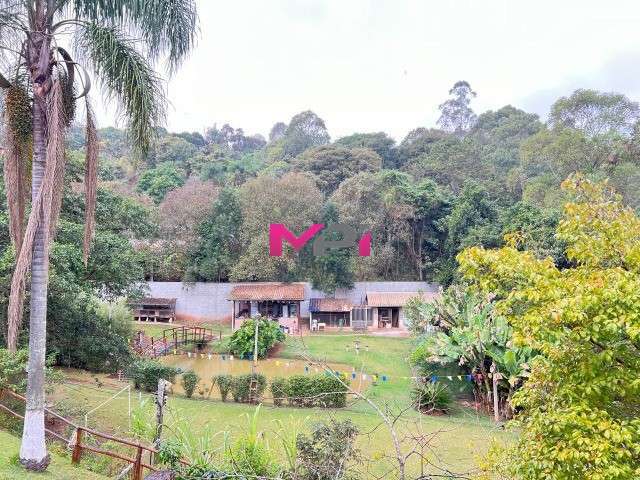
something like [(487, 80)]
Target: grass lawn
[(59, 469), (458, 438)]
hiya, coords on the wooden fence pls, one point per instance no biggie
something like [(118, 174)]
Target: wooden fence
[(79, 436)]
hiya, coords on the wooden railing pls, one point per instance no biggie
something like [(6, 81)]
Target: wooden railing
[(79, 433), (172, 338)]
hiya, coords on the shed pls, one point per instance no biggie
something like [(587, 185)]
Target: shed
[(154, 309), (332, 312)]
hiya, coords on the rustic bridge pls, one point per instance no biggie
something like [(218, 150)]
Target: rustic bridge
[(172, 338)]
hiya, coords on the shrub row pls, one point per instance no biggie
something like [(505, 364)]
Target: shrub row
[(239, 386), (145, 374), (310, 391)]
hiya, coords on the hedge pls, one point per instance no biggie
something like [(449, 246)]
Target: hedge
[(241, 386), (145, 374), (312, 390)]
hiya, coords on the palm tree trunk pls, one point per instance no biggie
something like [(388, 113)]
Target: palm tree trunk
[(33, 451)]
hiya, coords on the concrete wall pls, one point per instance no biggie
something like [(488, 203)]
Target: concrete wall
[(209, 300)]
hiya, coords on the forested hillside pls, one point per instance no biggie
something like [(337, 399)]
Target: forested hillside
[(198, 206)]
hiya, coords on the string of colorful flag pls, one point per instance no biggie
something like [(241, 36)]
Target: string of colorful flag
[(354, 375)]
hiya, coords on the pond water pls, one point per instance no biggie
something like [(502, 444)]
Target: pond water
[(207, 365)]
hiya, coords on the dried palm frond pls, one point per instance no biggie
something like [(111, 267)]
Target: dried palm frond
[(41, 211), (90, 182)]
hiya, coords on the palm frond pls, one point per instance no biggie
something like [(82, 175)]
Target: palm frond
[(166, 26), (126, 76), (41, 209), (90, 182)]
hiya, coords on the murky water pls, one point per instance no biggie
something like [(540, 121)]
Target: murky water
[(206, 366)]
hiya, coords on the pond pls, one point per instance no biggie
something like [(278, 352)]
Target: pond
[(207, 365)]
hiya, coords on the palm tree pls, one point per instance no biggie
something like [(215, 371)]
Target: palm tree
[(42, 81)]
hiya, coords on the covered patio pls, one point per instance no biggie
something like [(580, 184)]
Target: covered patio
[(329, 313), (277, 301)]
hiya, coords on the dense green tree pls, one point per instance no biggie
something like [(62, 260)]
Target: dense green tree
[(173, 149), (219, 246), (194, 138), (293, 200), (330, 165), (277, 131), (471, 213), (404, 218), (305, 130), (578, 411), (158, 181), (596, 113), (417, 143), (334, 269), (379, 142)]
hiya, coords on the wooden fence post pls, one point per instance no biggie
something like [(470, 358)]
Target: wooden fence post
[(77, 448), (137, 466)]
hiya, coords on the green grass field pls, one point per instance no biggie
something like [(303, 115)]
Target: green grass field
[(59, 469), (456, 439)]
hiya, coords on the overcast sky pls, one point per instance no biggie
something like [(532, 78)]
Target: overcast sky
[(372, 65)]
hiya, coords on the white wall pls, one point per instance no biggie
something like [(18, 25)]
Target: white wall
[(204, 299)]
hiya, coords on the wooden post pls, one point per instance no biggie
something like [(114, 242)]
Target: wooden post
[(77, 448), (161, 401), (255, 347), (495, 376), (137, 466)]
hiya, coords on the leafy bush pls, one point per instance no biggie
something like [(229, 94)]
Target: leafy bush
[(431, 397), (145, 373), (90, 334), (317, 391), (224, 385), (326, 451), (241, 386), (13, 369), (279, 389), (189, 382), (249, 456), (269, 333)]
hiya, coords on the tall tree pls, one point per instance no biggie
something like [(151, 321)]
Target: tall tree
[(219, 247), (330, 165), (578, 410), (596, 113), (40, 95), (305, 130), (334, 269), (277, 131), (379, 142), (456, 115)]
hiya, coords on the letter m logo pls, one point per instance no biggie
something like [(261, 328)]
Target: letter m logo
[(278, 232)]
